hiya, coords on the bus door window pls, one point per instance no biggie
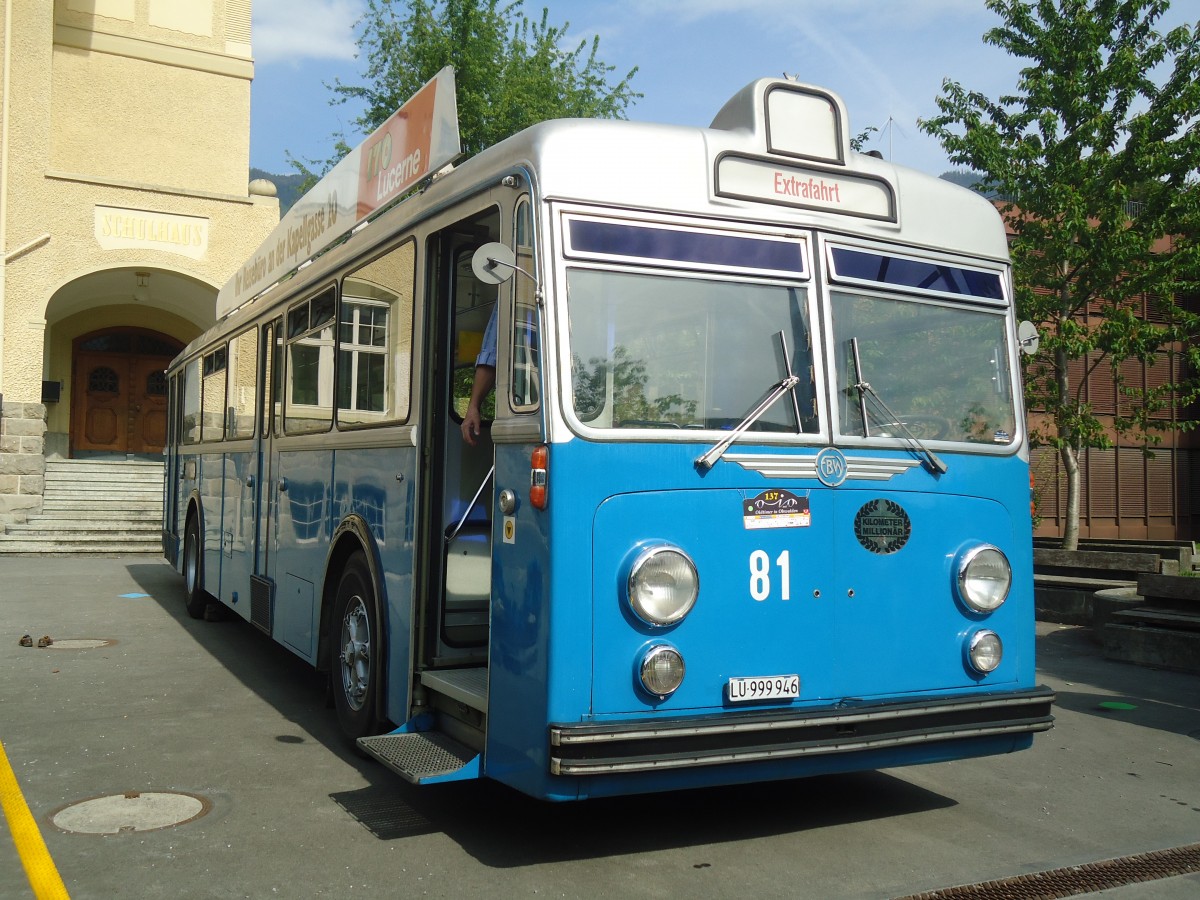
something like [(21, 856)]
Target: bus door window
[(525, 359), (462, 497)]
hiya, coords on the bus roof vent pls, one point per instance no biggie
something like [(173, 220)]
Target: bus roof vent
[(790, 119)]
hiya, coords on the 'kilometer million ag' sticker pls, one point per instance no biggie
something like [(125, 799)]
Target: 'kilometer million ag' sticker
[(882, 526), (776, 509)]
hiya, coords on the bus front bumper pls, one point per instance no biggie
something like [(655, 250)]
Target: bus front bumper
[(750, 736)]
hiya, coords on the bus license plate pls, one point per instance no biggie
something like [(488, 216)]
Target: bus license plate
[(771, 687)]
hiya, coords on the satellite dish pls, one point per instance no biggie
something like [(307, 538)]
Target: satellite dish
[(1027, 338), (494, 263)]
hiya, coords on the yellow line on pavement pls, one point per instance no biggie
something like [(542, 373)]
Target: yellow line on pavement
[(43, 875)]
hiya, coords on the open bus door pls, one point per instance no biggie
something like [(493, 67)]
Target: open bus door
[(444, 739)]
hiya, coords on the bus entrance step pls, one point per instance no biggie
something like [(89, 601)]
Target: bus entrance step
[(423, 757)]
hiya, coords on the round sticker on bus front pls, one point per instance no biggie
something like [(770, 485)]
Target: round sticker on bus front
[(882, 526)]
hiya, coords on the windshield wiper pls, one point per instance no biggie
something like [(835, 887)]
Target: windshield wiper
[(788, 384), (865, 390)]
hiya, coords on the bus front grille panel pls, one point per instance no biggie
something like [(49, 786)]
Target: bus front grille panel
[(782, 734)]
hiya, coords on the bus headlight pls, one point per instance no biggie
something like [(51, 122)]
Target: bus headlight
[(663, 586), (984, 651), (984, 577), (661, 671)]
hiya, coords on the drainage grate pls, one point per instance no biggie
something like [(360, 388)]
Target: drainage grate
[(1074, 880)]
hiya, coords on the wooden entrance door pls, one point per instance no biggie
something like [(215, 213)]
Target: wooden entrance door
[(119, 392)]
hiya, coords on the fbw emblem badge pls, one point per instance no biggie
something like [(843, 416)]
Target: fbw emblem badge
[(831, 467)]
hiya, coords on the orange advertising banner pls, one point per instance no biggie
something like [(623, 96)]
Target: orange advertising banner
[(415, 142), (397, 154)]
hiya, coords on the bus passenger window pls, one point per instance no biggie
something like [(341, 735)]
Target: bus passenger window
[(243, 382), (190, 402), (213, 420), (309, 378), (375, 340)]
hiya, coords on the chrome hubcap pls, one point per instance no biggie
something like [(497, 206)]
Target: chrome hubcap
[(189, 562), (355, 653)]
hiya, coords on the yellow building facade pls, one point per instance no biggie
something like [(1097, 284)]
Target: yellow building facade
[(124, 206)]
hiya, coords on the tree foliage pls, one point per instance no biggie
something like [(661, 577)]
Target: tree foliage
[(1096, 156), (510, 71)]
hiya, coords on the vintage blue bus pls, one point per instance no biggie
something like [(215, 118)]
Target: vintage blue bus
[(751, 496)]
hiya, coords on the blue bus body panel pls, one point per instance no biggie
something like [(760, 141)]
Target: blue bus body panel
[(382, 498), (857, 626)]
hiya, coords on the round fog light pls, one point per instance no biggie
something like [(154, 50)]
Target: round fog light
[(985, 651), (662, 671)]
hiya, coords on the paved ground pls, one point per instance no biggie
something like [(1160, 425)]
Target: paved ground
[(215, 711)]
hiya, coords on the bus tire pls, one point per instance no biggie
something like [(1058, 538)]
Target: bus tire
[(357, 645), (193, 570)]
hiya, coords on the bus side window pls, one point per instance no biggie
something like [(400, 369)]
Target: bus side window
[(190, 402), (375, 326), (526, 358), (243, 378), (213, 418), (308, 403)]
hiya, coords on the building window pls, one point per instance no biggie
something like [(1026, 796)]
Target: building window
[(103, 380)]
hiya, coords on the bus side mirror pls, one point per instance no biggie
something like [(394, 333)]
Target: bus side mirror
[(1027, 338), (494, 263)]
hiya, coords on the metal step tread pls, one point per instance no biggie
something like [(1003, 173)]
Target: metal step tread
[(418, 756), (469, 686)]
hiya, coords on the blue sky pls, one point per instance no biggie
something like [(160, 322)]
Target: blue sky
[(887, 58)]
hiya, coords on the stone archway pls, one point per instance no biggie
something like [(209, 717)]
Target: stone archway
[(119, 391)]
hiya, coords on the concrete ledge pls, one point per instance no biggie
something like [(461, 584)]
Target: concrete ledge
[(1161, 648), (1182, 592), (1122, 565), (1180, 552), (1107, 603), (1070, 600)]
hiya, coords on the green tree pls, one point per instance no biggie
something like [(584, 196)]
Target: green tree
[(1096, 156), (510, 71)]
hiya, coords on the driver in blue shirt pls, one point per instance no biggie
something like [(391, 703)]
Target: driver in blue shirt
[(485, 380)]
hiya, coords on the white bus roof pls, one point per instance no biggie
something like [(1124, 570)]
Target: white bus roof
[(777, 153)]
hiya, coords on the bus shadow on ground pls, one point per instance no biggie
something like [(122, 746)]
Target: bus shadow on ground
[(289, 684), (503, 828)]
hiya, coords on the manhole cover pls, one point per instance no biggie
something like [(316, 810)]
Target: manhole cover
[(130, 812), (79, 643)]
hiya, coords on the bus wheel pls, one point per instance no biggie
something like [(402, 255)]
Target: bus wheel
[(193, 570), (357, 649)]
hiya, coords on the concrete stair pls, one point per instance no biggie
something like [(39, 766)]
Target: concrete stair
[(93, 508)]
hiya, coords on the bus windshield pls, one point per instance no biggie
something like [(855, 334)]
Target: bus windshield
[(942, 371), (669, 351)]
